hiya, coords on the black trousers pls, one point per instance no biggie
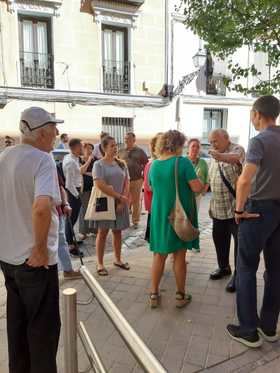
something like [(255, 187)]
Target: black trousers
[(222, 232), (33, 320), (75, 204)]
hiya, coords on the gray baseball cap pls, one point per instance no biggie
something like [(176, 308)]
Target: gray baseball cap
[(36, 117)]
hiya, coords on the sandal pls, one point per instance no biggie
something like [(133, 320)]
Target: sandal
[(182, 299), (102, 272), (154, 300), (124, 266)]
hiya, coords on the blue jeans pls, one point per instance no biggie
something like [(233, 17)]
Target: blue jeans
[(256, 235), (63, 251)]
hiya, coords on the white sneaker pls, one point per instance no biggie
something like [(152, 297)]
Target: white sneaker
[(268, 337)]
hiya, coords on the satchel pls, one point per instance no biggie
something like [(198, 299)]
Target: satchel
[(100, 206), (178, 218)]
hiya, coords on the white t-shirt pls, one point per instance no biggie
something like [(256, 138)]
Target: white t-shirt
[(26, 173)]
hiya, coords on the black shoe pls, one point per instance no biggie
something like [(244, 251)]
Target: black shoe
[(220, 273), (76, 253), (231, 286), (252, 340), (268, 336)]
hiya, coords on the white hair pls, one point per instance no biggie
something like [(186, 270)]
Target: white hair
[(28, 135), (220, 132)]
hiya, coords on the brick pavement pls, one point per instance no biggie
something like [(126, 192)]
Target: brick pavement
[(188, 340)]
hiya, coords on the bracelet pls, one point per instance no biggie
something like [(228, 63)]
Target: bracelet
[(239, 212)]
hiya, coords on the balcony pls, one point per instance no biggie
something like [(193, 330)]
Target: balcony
[(132, 2), (216, 85), (116, 76), (36, 70)]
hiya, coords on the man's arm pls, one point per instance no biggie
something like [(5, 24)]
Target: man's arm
[(145, 158), (243, 191), (41, 221), (84, 167), (69, 179), (232, 158), (66, 209)]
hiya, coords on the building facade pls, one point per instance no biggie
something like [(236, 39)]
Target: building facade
[(102, 65), (97, 64)]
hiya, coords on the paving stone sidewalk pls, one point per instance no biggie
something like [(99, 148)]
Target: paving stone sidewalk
[(185, 341)]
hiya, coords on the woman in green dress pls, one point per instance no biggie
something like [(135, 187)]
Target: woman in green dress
[(163, 239)]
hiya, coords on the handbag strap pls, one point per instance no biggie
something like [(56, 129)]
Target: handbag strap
[(226, 182), (191, 218), (176, 177)]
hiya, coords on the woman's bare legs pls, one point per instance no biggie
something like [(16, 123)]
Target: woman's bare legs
[(100, 246), (117, 244), (157, 271), (180, 270)]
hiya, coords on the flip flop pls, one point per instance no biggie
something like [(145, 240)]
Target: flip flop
[(102, 272), (124, 266)]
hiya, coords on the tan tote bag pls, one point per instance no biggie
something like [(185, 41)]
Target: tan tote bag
[(100, 206), (178, 218)]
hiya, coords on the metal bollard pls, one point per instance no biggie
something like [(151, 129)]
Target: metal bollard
[(70, 331)]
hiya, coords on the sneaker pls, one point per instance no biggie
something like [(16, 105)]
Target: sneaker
[(72, 275), (252, 340), (76, 253), (220, 273), (231, 286), (268, 336), (82, 236)]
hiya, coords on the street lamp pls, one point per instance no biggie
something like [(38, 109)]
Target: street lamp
[(199, 60)]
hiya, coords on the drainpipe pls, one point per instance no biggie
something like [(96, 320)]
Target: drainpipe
[(167, 42)]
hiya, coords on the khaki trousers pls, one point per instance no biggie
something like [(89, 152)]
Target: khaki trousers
[(135, 189)]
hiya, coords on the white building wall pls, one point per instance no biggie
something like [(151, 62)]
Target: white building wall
[(77, 50), (185, 44)]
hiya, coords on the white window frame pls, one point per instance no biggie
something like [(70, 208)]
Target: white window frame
[(117, 18)]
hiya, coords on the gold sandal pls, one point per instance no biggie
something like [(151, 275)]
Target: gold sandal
[(154, 300), (182, 299)]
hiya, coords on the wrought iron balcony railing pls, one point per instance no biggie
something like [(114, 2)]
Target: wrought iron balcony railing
[(116, 76), (216, 85), (36, 70)]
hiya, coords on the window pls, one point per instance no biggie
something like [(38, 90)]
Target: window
[(36, 60), (117, 127), (213, 119), (116, 67)]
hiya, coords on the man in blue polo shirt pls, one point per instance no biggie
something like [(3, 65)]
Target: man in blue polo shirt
[(258, 215)]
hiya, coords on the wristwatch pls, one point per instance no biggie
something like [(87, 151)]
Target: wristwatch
[(239, 212)]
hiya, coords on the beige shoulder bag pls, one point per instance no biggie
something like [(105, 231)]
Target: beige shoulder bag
[(100, 206), (178, 218)]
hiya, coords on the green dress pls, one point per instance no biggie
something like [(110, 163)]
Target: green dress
[(163, 238)]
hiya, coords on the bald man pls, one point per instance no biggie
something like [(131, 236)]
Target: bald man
[(225, 168)]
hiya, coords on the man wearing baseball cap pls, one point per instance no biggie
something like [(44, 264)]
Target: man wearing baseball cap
[(28, 246)]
